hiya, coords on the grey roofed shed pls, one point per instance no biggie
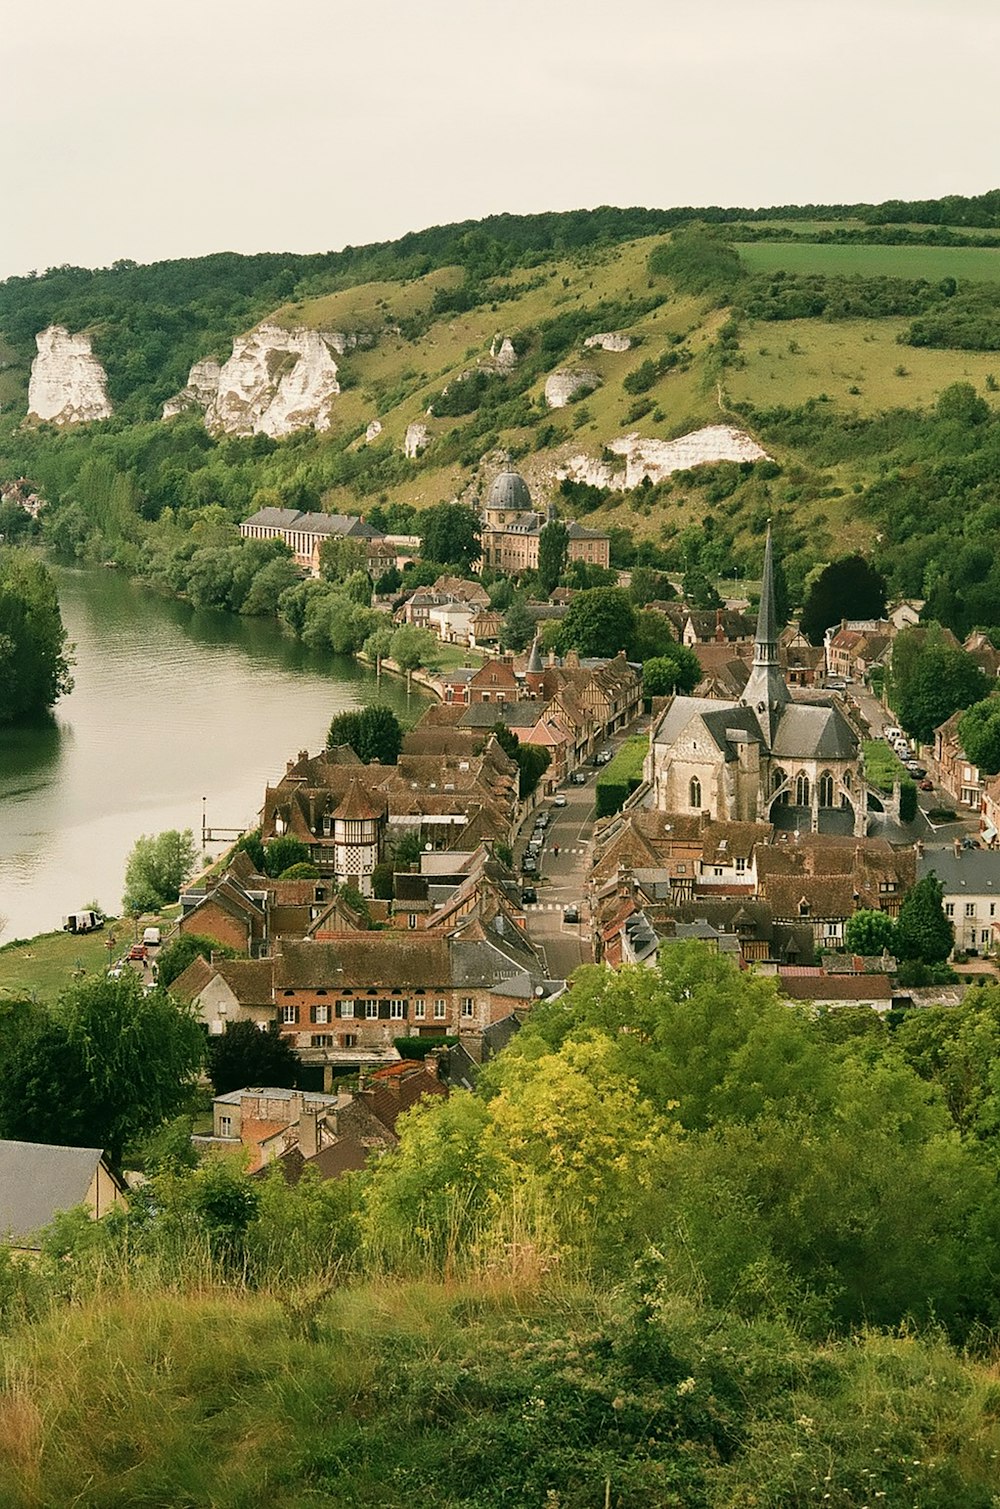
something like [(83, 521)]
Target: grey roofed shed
[(40, 1179)]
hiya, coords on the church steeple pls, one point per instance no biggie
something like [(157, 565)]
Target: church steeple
[(766, 691)]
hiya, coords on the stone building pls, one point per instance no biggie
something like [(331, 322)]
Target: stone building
[(776, 755), (511, 530)]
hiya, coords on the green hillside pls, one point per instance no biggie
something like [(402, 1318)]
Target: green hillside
[(828, 334)]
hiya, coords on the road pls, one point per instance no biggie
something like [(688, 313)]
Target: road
[(562, 879)]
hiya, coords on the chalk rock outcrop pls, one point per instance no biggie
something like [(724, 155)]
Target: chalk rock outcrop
[(656, 459), (610, 340), (68, 385), (417, 439), (502, 353), (275, 382), (373, 431), (202, 386), (562, 387)]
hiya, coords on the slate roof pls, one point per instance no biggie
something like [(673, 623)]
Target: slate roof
[(368, 961), (807, 731), (315, 523), (508, 490), (974, 872), (38, 1180)]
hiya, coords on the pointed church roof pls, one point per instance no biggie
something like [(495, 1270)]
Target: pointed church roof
[(357, 805), (767, 629), (535, 666), (766, 690)]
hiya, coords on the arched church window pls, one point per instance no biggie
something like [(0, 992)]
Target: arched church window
[(694, 793), (826, 789), (847, 779), (801, 789)]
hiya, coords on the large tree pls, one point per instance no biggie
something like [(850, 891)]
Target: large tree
[(599, 622), (519, 626), (157, 867), (175, 956), (870, 932), (675, 670), (103, 1068), (553, 547), (943, 680), (34, 656), (979, 732), (848, 588), (923, 932), (244, 1055), (450, 534), (374, 733)]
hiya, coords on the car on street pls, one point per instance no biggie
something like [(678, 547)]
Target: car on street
[(529, 865), (578, 778), (559, 800), (603, 758), (528, 895), (138, 951), (542, 820), (916, 769), (927, 785), (571, 913)]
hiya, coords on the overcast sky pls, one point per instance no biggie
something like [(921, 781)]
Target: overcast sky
[(147, 131)]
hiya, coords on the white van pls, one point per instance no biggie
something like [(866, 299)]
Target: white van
[(151, 937)]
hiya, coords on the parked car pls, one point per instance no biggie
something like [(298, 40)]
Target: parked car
[(529, 865), (151, 937), (138, 951), (528, 894), (542, 820), (578, 778), (559, 800), (927, 785), (87, 921), (915, 768), (604, 758), (571, 914)]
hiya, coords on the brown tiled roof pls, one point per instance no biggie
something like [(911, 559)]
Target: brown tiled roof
[(248, 979), (836, 987), (357, 805), (190, 983), (365, 961)]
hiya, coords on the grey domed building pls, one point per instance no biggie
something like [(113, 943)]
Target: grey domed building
[(511, 528)]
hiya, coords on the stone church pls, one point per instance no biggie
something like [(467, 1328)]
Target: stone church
[(787, 757)]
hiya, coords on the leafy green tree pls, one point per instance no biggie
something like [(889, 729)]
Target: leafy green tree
[(103, 1069), (907, 800), (157, 867), (653, 636), (850, 587), (343, 557), (532, 763), (389, 582), (870, 932), (450, 534), (408, 850), (553, 548), (373, 732), (250, 843), (518, 626), (960, 402), (411, 648), (175, 956), (283, 852), (979, 733), (382, 882), (648, 586), (35, 659), (267, 586), (677, 669), (244, 1055), (599, 622), (699, 590), (923, 932), (302, 870), (943, 680)]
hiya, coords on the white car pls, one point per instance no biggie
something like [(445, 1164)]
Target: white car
[(559, 800)]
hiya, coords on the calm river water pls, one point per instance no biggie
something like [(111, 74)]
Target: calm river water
[(170, 706)]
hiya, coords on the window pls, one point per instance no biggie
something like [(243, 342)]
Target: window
[(949, 909), (321, 1040), (802, 790), (289, 1015), (694, 794), (347, 1008), (319, 1014), (970, 908), (411, 920), (826, 789), (350, 1040), (741, 866), (717, 872), (468, 1005), (396, 1011), (225, 1126), (984, 936), (419, 1010), (371, 1009), (440, 1010)]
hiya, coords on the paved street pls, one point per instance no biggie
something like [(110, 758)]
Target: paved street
[(562, 879)]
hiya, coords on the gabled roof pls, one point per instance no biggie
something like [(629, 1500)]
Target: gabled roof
[(358, 806), (40, 1179)]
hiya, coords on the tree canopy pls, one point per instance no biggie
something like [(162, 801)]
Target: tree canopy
[(939, 680), (923, 932), (676, 669), (848, 588), (244, 1055), (450, 534), (553, 547), (373, 732), (35, 659), (979, 734), (157, 867), (601, 621)]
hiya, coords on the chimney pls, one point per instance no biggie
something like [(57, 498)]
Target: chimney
[(720, 633), (308, 1133)]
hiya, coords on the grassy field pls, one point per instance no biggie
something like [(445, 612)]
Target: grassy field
[(41, 967), (791, 361), (882, 765), (978, 263)]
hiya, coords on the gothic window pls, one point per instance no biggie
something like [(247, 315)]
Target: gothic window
[(801, 789), (694, 794), (826, 789), (777, 780)]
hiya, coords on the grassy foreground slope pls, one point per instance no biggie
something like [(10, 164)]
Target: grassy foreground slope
[(480, 1394)]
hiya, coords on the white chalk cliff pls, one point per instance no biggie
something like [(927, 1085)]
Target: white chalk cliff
[(610, 340), (68, 384), (656, 459), (275, 382), (562, 387), (417, 439)]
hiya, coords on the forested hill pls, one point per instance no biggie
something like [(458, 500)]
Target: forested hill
[(857, 345)]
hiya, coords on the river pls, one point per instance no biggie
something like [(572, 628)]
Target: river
[(169, 706)]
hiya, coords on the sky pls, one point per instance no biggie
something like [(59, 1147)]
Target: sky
[(153, 131)]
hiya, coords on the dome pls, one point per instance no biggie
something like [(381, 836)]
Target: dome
[(509, 490)]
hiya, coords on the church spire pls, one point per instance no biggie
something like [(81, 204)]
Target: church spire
[(766, 691)]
